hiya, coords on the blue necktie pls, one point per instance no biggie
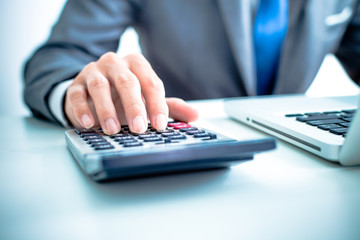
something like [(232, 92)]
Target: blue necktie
[(269, 32)]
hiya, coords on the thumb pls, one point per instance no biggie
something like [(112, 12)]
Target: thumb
[(181, 110)]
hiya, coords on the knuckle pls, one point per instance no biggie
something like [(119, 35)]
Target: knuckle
[(154, 83), (138, 59), (126, 79), (109, 57), (89, 67), (80, 108), (97, 82), (105, 114), (73, 92), (135, 106), (136, 56)]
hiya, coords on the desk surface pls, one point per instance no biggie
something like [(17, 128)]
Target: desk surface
[(283, 194)]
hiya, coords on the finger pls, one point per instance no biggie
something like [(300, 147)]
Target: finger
[(77, 98), (153, 90), (128, 87), (99, 90), (181, 110)]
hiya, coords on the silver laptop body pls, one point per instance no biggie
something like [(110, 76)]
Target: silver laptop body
[(267, 113)]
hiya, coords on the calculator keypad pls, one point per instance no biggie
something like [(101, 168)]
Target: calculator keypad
[(176, 132)]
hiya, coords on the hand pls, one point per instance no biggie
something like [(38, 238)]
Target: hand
[(114, 91)]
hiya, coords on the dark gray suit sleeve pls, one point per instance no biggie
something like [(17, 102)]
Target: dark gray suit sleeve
[(349, 50), (85, 30)]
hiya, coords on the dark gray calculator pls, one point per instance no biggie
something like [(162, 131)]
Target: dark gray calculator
[(180, 147)]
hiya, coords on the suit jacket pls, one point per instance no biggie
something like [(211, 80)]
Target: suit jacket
[(200, 49)]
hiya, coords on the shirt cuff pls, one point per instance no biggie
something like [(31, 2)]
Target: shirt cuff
[(56, 100)]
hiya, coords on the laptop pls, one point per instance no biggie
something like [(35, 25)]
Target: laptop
[(326, 126)]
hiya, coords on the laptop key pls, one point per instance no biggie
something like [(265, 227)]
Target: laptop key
[(347, 119), (345, 124), (294, 115), (349, 111), (322, 122), (313, 113), (347, 115), (317, 117), (328, 126), (332, 112), (338, 131)]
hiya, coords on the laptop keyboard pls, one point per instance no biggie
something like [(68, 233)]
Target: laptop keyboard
[(335, 122)]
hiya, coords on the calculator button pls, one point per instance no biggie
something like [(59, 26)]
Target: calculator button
[(201, 135), (211, 136), (134, 144), (182, 126), (195, 132), (177, 137), (142, 136), (167, 134), (173, 124), (82, 135), (188, 129), (137, 134), (153, 139), (164, 131), (117, 139), (125, 128), (92, 137), (95, 144), (104, 147), (79, 131), (119, 135), (128, 141), (96, 140)]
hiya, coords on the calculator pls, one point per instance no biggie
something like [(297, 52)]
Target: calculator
[(178, 148)]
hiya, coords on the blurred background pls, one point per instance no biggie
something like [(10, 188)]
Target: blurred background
[(24, 25)]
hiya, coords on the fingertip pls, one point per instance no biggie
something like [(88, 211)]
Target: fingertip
[(160, 122), (111, 126), (193, 114), (138, 125), (181, 110), (86, 121)]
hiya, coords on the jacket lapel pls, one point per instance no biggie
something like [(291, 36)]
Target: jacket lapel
[(238, 23)]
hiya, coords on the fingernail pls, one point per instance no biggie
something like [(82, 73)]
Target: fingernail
[(86, 121), (138, 125), (160, 122), (110, 126)]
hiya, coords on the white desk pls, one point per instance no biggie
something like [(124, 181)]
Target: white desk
[(283, 194)]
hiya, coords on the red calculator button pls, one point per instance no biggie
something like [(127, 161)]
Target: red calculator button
[(182, 126), (173, 124)]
